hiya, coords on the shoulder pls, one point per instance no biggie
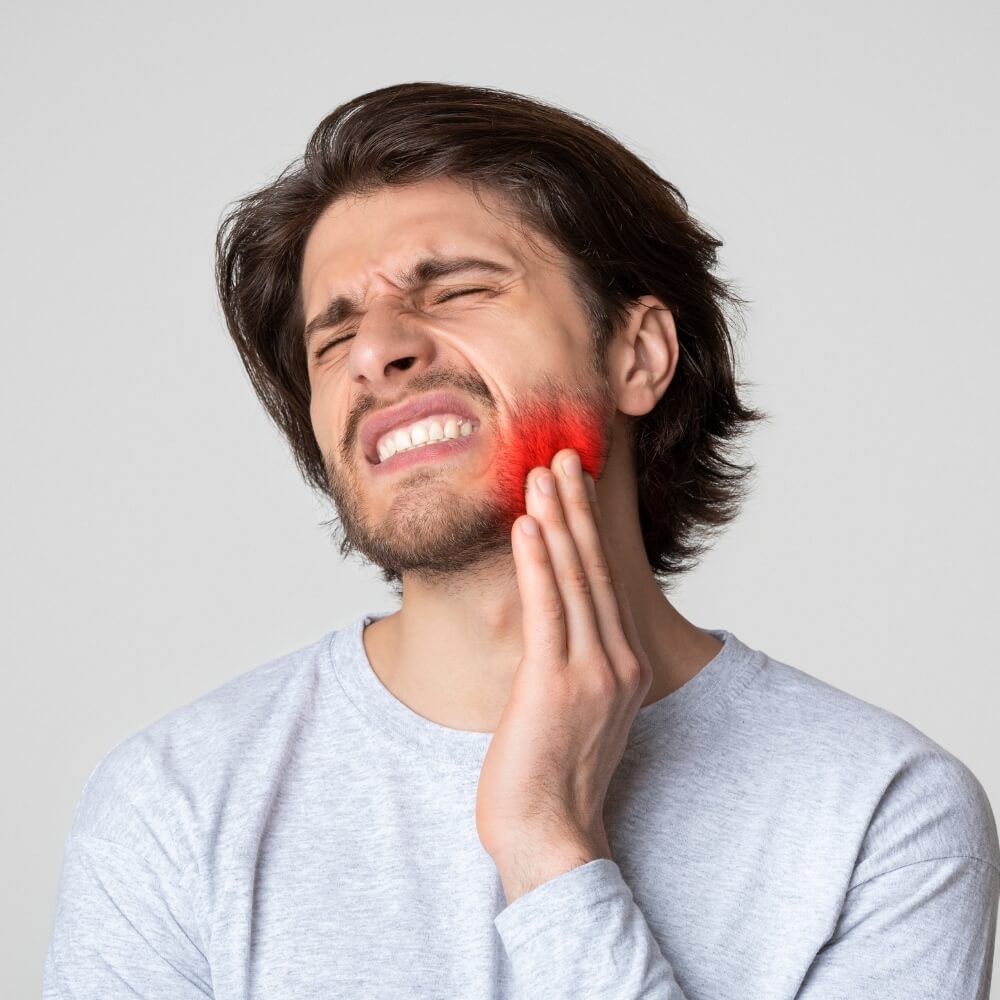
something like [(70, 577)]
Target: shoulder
[(915, 799), (153, 791)]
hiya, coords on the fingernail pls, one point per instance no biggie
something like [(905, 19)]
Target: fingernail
[(591, 489), (547, 484), (571, 465)]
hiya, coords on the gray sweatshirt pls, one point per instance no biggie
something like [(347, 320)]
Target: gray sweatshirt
[(300, 833)]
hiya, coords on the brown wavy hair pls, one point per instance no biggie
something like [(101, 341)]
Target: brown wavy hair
[(625, 231)]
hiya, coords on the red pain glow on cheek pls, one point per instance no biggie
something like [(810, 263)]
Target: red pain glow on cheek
[(534, 436)]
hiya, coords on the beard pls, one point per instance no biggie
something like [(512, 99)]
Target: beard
[(441, 529)]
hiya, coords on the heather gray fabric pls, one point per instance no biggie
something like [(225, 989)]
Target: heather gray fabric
[(299, 833)]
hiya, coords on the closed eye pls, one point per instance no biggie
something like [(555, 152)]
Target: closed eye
[(441, 298), (462, 291), (329, 344)]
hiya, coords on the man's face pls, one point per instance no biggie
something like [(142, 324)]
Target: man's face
[(515, 346)]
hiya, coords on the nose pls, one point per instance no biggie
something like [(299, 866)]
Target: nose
[(388, 343)]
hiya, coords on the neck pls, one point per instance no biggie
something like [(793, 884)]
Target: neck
[(450, 653)]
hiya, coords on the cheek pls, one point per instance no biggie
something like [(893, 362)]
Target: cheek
[(329, 424), (318, 418), (536, 434)]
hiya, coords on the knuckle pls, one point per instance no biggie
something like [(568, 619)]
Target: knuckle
[(603, 685), (576, 580), (551, 610), (590, 678), (631, 672), (600, 573)]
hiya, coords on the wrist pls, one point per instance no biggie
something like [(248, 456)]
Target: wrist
[(527, 868)]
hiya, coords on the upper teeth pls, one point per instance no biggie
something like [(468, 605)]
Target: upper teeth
[(421, 432)]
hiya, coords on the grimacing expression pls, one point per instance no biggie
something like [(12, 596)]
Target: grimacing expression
[(391, 317)]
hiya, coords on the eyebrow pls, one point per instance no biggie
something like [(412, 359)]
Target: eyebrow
[(427, 269)]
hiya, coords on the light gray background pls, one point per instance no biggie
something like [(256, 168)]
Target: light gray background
[(156, 539)]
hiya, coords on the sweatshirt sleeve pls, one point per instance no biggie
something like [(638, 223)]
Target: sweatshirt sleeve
[(127, 921), (919, 917), (926, 930), (121, 930), (917, 921), (922, 932), (581, 935)]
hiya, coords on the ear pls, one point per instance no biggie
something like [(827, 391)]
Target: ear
[(643, 356)]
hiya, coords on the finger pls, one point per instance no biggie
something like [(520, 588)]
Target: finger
[(583, 637), (582, 520), (543, 622)]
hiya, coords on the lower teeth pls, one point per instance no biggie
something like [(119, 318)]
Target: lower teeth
[(424, 445)]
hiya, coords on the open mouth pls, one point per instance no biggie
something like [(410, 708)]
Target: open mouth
[(436, 451)]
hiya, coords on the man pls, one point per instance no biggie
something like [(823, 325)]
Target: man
[(493, 337)]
